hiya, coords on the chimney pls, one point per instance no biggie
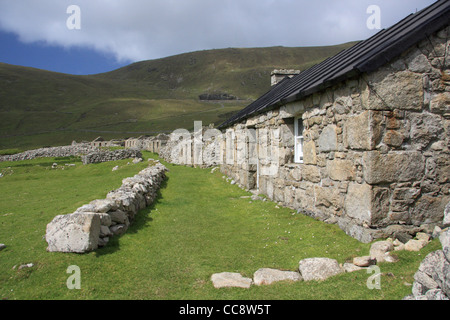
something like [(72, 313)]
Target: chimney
[(279, 74)]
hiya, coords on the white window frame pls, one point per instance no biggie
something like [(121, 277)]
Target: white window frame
[(298, 140)]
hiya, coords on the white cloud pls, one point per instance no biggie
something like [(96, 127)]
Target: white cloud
[(134, 30)]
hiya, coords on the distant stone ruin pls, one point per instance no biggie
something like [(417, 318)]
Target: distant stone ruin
[(76, 149), (98, 156)]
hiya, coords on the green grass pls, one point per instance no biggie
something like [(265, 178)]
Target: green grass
[(198, 226)]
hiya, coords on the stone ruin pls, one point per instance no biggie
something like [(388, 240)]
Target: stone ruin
[(98, 156)]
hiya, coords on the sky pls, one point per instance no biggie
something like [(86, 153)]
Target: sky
[(94, 36)]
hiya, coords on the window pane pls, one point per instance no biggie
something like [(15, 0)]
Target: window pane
[(300, 127), (298, 140)]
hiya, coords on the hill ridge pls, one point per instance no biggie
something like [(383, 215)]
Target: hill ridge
[(40, 107)]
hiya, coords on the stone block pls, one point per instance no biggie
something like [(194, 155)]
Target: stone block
[(400, 90), (429, 209), (77, 232), (310, 173), (363, 131), (341, 170), (291, 110), (309, 152), (328, 197), (393, 138), (364, 261), (424, 128), (392, 167), (266, 276), (358, 202), (304, 200), (328, 139), (230, 279), (366, 203), (418, 63), (380, 249), (441, 103), (319, 268)]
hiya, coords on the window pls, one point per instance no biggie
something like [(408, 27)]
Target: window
[(298, 143)]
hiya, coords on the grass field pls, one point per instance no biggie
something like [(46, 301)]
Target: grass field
[(198, 226)]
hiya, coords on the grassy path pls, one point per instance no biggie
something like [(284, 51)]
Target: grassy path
[(199, 225)]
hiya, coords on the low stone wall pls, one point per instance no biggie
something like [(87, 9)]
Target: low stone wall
[(98, 156), (92, 225), (75, 149)]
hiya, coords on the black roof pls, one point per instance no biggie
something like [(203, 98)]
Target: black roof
[(365, 56)]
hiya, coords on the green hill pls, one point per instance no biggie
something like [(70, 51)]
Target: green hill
[(39, 108)]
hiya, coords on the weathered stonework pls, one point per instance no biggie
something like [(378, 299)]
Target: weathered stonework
[(375, 147)]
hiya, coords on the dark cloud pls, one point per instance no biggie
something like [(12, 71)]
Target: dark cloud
[(135, 30)]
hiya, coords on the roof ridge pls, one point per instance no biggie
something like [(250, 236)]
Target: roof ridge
[(365, 56)]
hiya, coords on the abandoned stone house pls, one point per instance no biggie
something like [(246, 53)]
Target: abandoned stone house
[(99, 142), (152, 144), (361, 139)]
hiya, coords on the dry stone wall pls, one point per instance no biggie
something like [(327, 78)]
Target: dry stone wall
[(376, 153), (76, 149), (92, 225), (98, 156)]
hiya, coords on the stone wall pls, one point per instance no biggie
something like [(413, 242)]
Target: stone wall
[(98, 156), (76, 149), (92, 225), (375, 150)]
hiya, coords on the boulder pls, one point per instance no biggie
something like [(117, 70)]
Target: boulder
[(415, 245), (269, 276), (77, 232), (350, 267), (230, 279), (433, 274), (319, 268), (445, 241), (364, 261), (446, 220), (432, 280), (380, 249)]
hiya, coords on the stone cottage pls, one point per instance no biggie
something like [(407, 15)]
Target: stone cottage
[(99, 142), (361, 139)]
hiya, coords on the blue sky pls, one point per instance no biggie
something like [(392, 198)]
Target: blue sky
[(74, 60), (115, 33)]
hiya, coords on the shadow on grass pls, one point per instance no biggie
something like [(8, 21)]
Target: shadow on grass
[(141, 219)]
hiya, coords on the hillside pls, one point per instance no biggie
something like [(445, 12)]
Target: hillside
[(39, 107)]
